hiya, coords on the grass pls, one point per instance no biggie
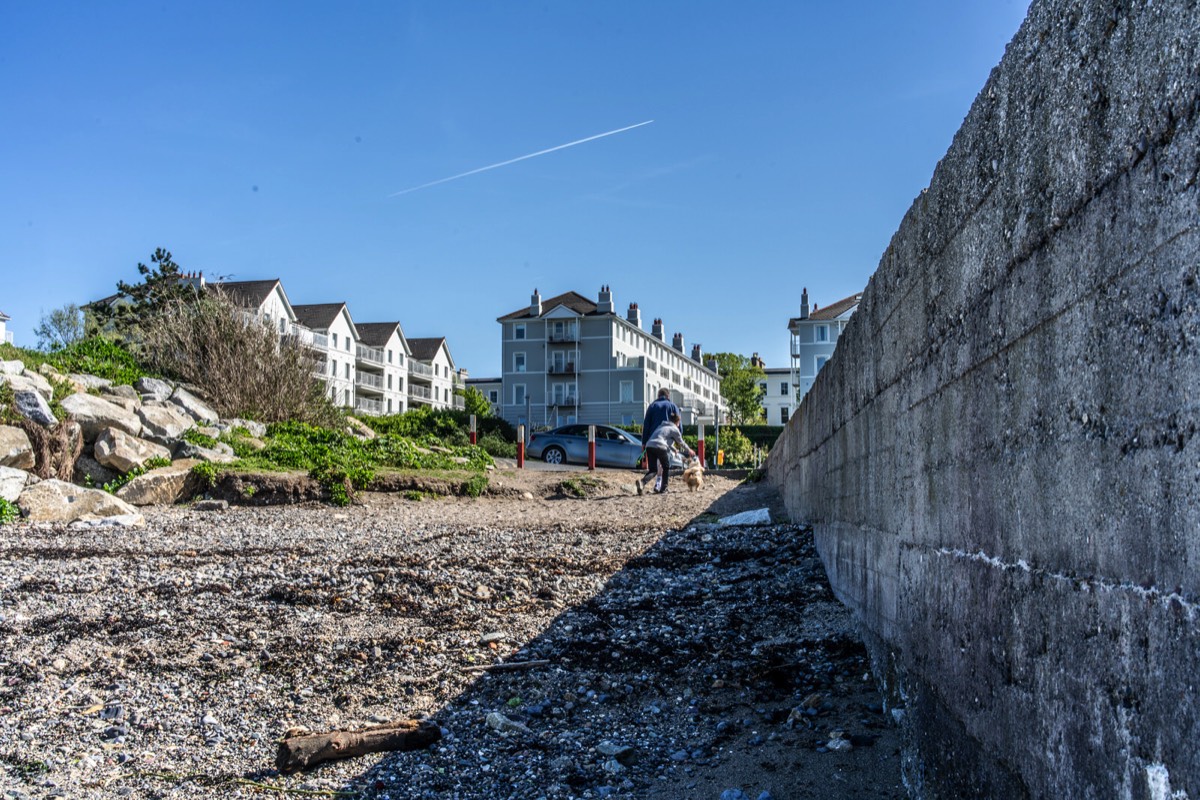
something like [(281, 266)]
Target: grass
[(9, 513), (96, 355), (581, 487), (116, 483)]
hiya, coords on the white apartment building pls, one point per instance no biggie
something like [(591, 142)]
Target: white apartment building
[(432, 374), (5, 334), (381, 379), (341, 355), (571, 359)]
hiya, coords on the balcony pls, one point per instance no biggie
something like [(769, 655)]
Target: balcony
[(460, 403), (371, 355), (307, 337), (562, 337), (420, 370), (368, 380), (564, 401), (368, 406), (420, 393), (562, 369)]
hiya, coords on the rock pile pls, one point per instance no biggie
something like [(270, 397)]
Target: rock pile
[(51, 468)]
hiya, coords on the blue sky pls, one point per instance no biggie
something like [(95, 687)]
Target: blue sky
[(262, 140)]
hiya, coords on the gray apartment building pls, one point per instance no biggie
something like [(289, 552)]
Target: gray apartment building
[(570, 359), (814, 337)]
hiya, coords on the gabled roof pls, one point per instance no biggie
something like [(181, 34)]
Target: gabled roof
[(426, 349), (377, 334), (250, 294), (572, 300), (4, 316), (318, 316), (831, 311)]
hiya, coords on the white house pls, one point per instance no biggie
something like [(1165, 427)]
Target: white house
[(432, 375), (382, 378), (5, 334), (333, 320), (778, 395)]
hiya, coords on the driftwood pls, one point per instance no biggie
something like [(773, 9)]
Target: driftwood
[(301, 752), (508, 665)]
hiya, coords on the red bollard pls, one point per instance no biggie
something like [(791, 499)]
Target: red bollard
[(700, 442), (473, 437), (520, 447), (591, 448)]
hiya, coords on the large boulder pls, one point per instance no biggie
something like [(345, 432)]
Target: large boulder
[(161, 422), (30, 381), (33, 406), (15, 448), (122, 452), (196, 408), (90, 381), (256, 429), (94, 414), (221, 454), (14, 367), (12, 483), (154, 389), (122, 390), (162, 486), (59, 501)]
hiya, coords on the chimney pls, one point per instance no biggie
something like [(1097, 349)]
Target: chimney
[(677, 342), (804, 303), (656, 329), (755, 361), (605, 306), (535, 304), (696, 355), (634, 315), (711, 364)]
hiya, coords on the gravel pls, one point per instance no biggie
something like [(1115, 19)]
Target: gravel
[(684, 659)]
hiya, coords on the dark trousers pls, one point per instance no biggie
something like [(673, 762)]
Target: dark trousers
[(658, 464)]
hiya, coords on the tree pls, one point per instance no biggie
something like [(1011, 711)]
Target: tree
[(60, 328), (741, 387), (475, 402), (134, 303)]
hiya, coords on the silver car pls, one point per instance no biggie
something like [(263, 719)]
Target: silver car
[(569, 445)]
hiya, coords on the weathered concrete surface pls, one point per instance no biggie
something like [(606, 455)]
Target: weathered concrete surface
[(1001, 459)]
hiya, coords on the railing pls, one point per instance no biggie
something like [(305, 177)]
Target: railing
[(372, 355), (8, 337), (460, 403), (419, 393), (308, 337), (367, 405), (417, 368), (567, 400), (563, 337), (368, 379), (561, 369)]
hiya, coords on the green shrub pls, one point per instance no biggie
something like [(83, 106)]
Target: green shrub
[(100, 356), (116, 483), (475, 485), (206, 471), (498, 447), (9, 513), (196, 437)]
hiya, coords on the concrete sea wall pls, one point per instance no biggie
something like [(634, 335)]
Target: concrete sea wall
[(1001, 460)]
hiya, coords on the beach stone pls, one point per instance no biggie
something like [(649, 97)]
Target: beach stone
[(196, 408), (15, 448), (164, 421), (12, 483), (90, 472), (162, 485), (154, 389), (122, 452), (30, 404), (94, 414)]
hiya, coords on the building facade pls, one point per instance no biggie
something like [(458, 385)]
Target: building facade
[(432, 374), (5, 334), (491, 389), (381, 377), (570, 359), (814, 337), (778, 395)]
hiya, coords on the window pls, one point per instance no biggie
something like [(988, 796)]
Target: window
[(783, 416), (334, 335), (389, 356), (389, 386), (783, 388), (389, 405), (821, 362), (518, 362), (493, 396), (822, 333), (626, 391), (519, 330), (347, 370), (519, 394), (347, 344), (763, 387), (333, 367)]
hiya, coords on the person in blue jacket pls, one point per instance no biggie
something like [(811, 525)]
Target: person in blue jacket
[(657, 413)]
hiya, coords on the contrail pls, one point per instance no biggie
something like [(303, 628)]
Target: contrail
[(519, 158)]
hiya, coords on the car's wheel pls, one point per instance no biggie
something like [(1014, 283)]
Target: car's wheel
[(554, 455)]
